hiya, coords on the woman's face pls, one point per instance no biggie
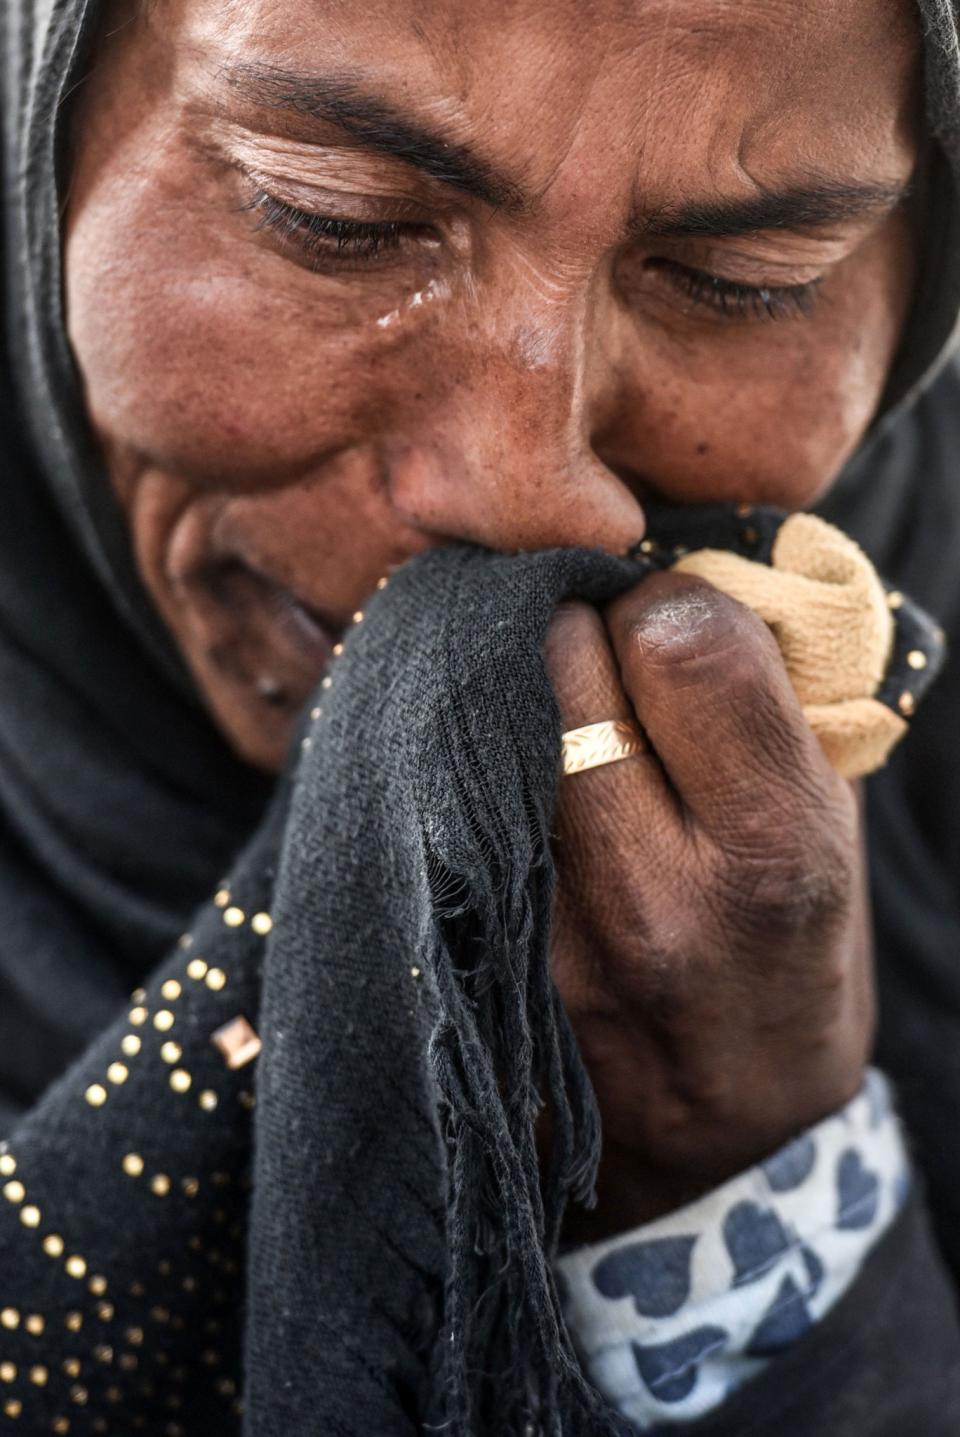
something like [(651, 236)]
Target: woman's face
[(348, 281)]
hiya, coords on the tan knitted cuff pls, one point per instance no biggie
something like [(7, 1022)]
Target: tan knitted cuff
[(828, 610)]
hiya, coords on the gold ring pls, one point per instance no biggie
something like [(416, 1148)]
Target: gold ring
[(599, 743)]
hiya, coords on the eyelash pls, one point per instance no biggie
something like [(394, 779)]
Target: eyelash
[(357, 239), (365, 240), (743, 301)]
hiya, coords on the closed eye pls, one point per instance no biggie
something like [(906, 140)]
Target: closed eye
[(327, 237), (324, 236), (735, 300)]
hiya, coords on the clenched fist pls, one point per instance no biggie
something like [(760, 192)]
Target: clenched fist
[(710, 938)]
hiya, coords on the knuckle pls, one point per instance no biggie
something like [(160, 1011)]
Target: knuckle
[(663, 940), (781, 887)]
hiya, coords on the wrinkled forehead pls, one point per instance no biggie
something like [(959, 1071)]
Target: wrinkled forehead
[(724, 89)]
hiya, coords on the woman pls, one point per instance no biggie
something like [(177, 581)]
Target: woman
[(317, 323)]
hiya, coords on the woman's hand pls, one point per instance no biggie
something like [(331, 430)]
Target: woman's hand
[(710, 937)]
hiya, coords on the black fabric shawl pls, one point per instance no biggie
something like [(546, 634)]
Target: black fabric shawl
[(390, 1272)]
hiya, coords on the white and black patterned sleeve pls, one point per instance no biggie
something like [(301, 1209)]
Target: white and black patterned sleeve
[(671, 1318)]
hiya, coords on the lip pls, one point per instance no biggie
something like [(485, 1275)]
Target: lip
[(311, 629), (308, 629), (317, 631)]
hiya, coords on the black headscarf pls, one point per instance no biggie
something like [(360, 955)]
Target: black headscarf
[(118, 797), (399, 1235)]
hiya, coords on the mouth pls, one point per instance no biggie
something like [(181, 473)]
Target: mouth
[(282, 632), (257, 631), (314, 630)]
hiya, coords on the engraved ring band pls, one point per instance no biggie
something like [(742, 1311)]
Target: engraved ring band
[(598, 743)]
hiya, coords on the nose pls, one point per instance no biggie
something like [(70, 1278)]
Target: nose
[(503, 456)]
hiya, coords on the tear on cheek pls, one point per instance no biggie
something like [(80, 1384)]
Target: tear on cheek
[(418, 299)]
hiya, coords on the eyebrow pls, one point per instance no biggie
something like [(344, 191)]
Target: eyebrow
[(375, 124), (796, 207)]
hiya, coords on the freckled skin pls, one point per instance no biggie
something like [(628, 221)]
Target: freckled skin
[(281, 433)]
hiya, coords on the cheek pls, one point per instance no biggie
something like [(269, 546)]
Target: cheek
[(777, 437), (772, 410), (220, 362)]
